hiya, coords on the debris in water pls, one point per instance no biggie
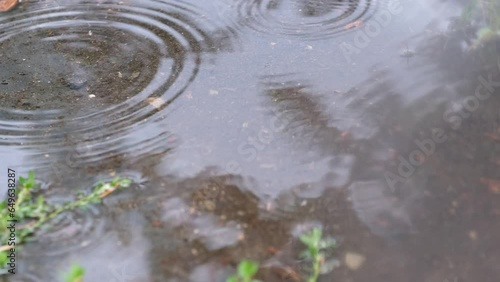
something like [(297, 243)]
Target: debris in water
[(473, 235), (7, 5), (353, 24), (155, 102)]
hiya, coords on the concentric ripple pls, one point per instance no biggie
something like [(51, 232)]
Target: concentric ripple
[(69, 232), (79, 69), (308, 19)]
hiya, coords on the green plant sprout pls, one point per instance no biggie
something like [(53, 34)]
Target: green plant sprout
[(75, 274), (487, 12), (316, 247), (245, 272), (32, 213)]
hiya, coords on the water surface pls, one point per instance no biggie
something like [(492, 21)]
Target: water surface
[(243, 121)]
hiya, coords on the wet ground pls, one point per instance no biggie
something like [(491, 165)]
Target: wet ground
[(243, 122)]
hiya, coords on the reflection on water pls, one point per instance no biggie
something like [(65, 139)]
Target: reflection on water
[(81, 74), (157, 91)]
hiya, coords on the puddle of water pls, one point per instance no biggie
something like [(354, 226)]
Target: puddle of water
[(241, 122)]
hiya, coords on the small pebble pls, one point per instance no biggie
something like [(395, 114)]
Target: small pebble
[(135, 74), (473, 235), (155, 102), (209, 205), (353, 260)]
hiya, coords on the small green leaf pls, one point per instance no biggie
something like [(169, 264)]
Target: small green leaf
[(75, 274), (115, 181), (3, 258), (328, 242), (31, 176), (125, 182), (305, 240), (328, 266), (247, 268), (316, 234), (232, 278)]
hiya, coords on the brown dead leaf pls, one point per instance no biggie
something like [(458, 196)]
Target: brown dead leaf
[(272, 250), (492, 184), (353, 24), (494, 136), (106, 193), (6, 5)]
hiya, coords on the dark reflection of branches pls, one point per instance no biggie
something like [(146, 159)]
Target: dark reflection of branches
[(313, 121), (440, 199), (370, 116), (302, 114)]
